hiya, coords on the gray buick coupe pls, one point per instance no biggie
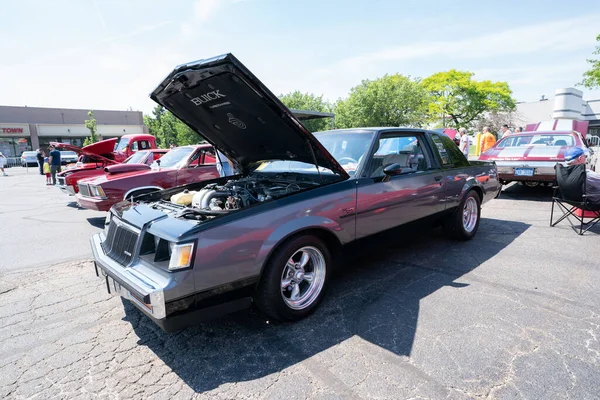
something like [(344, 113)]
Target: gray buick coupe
[(269, 233)]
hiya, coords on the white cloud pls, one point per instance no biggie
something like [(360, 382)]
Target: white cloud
[(204, 9), (524, 45)]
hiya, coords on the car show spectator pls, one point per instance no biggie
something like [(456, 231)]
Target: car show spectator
[(54, 163), (2, 164), (487, 139), (505, 130), (465, 142), (576, 155), (46, 169), (518, 129), (40, 160)]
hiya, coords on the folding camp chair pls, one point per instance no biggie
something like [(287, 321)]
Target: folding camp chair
[(569, 195)]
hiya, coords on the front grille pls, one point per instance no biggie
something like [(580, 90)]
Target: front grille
[(61, 181), (120, 243), (84, 189)]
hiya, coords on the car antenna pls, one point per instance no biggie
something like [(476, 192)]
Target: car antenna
[(312, 151)]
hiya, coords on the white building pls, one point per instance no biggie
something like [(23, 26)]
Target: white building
[(567, 103)]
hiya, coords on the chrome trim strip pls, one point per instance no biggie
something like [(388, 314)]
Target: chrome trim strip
[(141, 188)]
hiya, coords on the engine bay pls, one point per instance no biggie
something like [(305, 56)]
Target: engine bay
[(217, 199)]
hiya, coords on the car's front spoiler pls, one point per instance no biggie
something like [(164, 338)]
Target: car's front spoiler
[(92, 203), (148, 296), (129, 283)]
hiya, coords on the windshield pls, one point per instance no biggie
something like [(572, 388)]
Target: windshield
[(29, 153), (348, 148), (121, 144), (175, 158), (538, 140), (136, 158), (68, 153)]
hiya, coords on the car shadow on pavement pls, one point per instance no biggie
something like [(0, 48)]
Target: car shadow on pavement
[(375, 295), (97, 222), (517, 191)]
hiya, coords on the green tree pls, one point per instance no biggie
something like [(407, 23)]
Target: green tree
[(310, 102), (392, 100), (92, 126), (169, 130), (456, 96), (591, 78)]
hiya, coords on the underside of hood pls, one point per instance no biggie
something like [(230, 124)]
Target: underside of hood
[(226, 104), (95, 151)]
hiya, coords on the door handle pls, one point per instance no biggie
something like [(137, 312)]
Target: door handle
[(438, 178)]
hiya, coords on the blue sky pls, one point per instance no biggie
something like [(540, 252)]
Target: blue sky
[(110, 54)]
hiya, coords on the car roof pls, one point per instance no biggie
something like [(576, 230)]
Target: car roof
[(376, 129)]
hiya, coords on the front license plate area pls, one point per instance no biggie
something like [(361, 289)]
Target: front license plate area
[(113, 287), (523, 171)]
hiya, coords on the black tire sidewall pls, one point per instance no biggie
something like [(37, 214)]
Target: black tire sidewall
[(269, 298)]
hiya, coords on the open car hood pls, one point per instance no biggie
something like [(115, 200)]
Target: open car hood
[(226, 104), (93, 150)]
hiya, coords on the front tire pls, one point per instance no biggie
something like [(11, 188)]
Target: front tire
[(295, 278), (463, 223)]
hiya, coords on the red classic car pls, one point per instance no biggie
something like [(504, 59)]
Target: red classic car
[(180, 166), (95, 157), (530, 157)]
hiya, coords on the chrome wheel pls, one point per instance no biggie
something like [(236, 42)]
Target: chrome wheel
[(303, 278), (470, 214)]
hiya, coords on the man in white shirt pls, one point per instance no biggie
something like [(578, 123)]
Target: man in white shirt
[(505, 130), (465, 142)]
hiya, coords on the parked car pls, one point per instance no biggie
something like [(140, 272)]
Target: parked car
[(180, 166), (270, 233), (93, 159), (68, 157), (530, 157), (29, 159)]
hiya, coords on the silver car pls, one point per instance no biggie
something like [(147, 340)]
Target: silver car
[(68, 157), (270, 234), (29, 159)]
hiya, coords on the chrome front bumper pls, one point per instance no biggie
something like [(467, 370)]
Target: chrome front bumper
[(137, 282), (67, 189)]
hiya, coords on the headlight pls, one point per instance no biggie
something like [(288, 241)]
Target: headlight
[(181, 255), (93, 191)]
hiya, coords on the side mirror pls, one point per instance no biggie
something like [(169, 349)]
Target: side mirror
[(392, 169)]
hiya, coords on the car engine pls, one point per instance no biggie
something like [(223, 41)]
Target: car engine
[(214, 199)]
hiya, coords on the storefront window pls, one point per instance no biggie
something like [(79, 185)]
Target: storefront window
[(13, 147)]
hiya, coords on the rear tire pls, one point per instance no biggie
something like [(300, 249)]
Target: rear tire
[(463, 223), (295, 278)]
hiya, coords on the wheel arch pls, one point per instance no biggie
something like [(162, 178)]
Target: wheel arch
[(141, 188), (330, 239)]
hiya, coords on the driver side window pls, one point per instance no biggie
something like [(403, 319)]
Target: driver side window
[(404, 150)]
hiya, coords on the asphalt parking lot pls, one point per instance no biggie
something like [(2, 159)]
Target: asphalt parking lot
[(514, 313)]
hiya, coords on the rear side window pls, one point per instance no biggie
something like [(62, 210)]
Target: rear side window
[(450, 154)]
